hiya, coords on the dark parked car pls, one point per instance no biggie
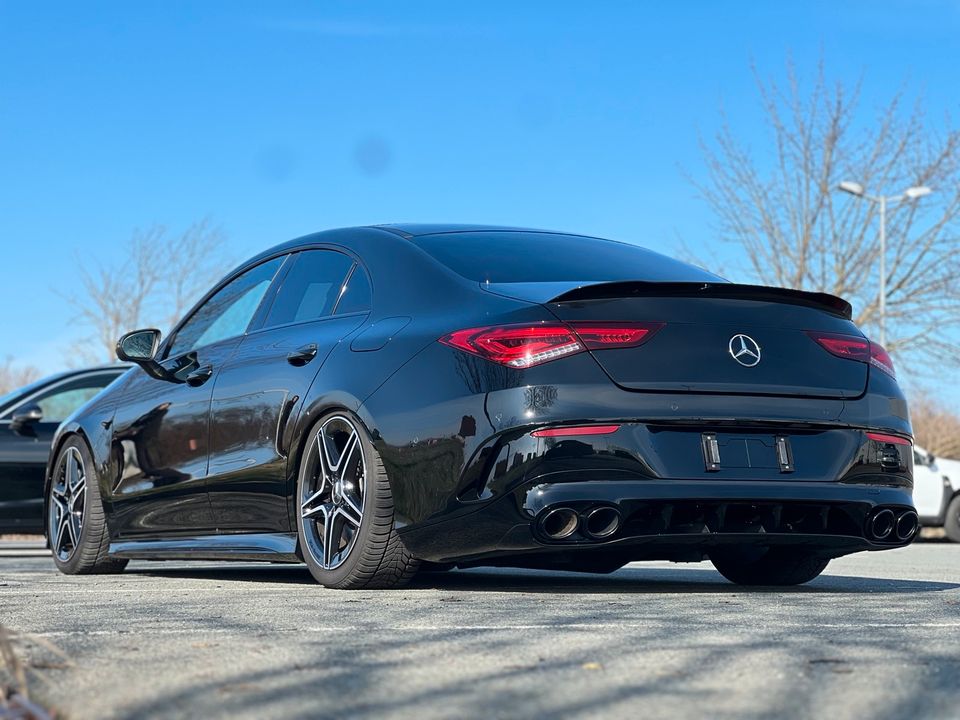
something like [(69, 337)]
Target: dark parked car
[(368, 399), (28, 420)]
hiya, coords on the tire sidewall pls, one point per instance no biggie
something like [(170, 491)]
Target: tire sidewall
[(339, 574), (72, 564), (951, 523)]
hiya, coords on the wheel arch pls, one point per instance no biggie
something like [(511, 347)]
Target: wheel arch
[(319, 409)]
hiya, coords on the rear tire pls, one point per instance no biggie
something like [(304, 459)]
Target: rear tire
[(951, 523), (76, 527), (342, 481), (774, 566)]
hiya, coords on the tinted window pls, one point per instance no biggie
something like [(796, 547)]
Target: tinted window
[(21, 392), (61, 400), (504, 257), (356, 295), (229, 312), (311, 288)]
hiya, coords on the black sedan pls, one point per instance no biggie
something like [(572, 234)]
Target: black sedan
[(28, 420), (370, 399)]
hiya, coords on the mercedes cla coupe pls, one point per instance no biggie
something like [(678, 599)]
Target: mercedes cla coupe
[(373, 400)]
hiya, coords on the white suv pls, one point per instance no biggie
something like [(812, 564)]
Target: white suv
[(936, 494)]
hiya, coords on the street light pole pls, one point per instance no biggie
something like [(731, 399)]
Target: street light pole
[(912, 193)]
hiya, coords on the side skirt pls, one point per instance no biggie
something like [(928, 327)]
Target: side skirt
[(264, 547)]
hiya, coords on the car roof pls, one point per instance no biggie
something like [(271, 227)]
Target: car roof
[(420, 229), (399, 231)]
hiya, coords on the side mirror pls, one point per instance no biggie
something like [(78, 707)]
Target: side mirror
[(25, 417), (139, 346)]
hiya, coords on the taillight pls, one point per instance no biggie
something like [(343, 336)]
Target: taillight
[(851, 347), (888, 439), (880, 358), (575, 430), (523, 346), (601, 336)]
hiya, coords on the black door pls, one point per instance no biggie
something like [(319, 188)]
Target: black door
[(323, 298), (161, 431), (25, 447)]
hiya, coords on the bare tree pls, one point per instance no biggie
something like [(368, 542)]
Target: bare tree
[(12, 377), (935, 427), (156, 281), (779, 202)]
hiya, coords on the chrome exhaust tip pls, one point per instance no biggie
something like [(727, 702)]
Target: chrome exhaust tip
[(601, 522), (882, 524), (560, 523), (907, 525)]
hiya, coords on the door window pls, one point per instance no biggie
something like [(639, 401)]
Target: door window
[(228, 313), (58, 402), (356, 295), (311, 289)]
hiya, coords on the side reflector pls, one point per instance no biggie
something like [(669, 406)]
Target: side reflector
[(894, 439), (578, 430)]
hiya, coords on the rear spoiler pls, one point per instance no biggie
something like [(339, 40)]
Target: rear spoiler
[(820, 301)]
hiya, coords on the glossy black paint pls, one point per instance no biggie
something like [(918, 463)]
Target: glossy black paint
[(25, 447), (208, 468)]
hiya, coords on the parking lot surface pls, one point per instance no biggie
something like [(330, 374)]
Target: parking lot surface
[(877, 636)]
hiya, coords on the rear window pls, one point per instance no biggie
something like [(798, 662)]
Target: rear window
[(506, 257)]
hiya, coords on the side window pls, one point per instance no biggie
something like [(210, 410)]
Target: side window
[(229, 312), (356, 295), (311, 288), (60, 401)]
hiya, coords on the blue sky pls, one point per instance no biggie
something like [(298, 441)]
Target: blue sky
[(278, 119)]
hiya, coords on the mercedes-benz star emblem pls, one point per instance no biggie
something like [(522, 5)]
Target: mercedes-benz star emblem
[(744, 350)]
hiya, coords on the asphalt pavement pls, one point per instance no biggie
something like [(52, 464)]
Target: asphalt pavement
[(878, 636)]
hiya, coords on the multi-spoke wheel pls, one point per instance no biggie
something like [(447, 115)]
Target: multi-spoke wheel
[(76, 529), (67, 493), (345, 510)]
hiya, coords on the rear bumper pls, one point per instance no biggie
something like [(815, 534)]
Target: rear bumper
[(662, 520)]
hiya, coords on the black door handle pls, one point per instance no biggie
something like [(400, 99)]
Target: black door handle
[(301, 356), (199, 376)]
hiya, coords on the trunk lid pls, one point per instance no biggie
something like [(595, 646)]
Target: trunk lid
[(706, 326)]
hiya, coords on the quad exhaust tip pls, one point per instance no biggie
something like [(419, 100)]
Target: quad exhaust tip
[(560, 523), (882, 524), (598, 523), (893, 525), (601, 523), (907, 525)]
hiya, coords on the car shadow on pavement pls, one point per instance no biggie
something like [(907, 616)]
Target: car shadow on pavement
[(637, 580)]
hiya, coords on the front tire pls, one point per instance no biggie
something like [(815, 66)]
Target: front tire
[(951, 523), (773, 566), (76, 527), (345, 510)]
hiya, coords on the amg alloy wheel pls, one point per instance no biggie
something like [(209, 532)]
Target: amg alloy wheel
[(76, 529), (67, 495), (345, 518)]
